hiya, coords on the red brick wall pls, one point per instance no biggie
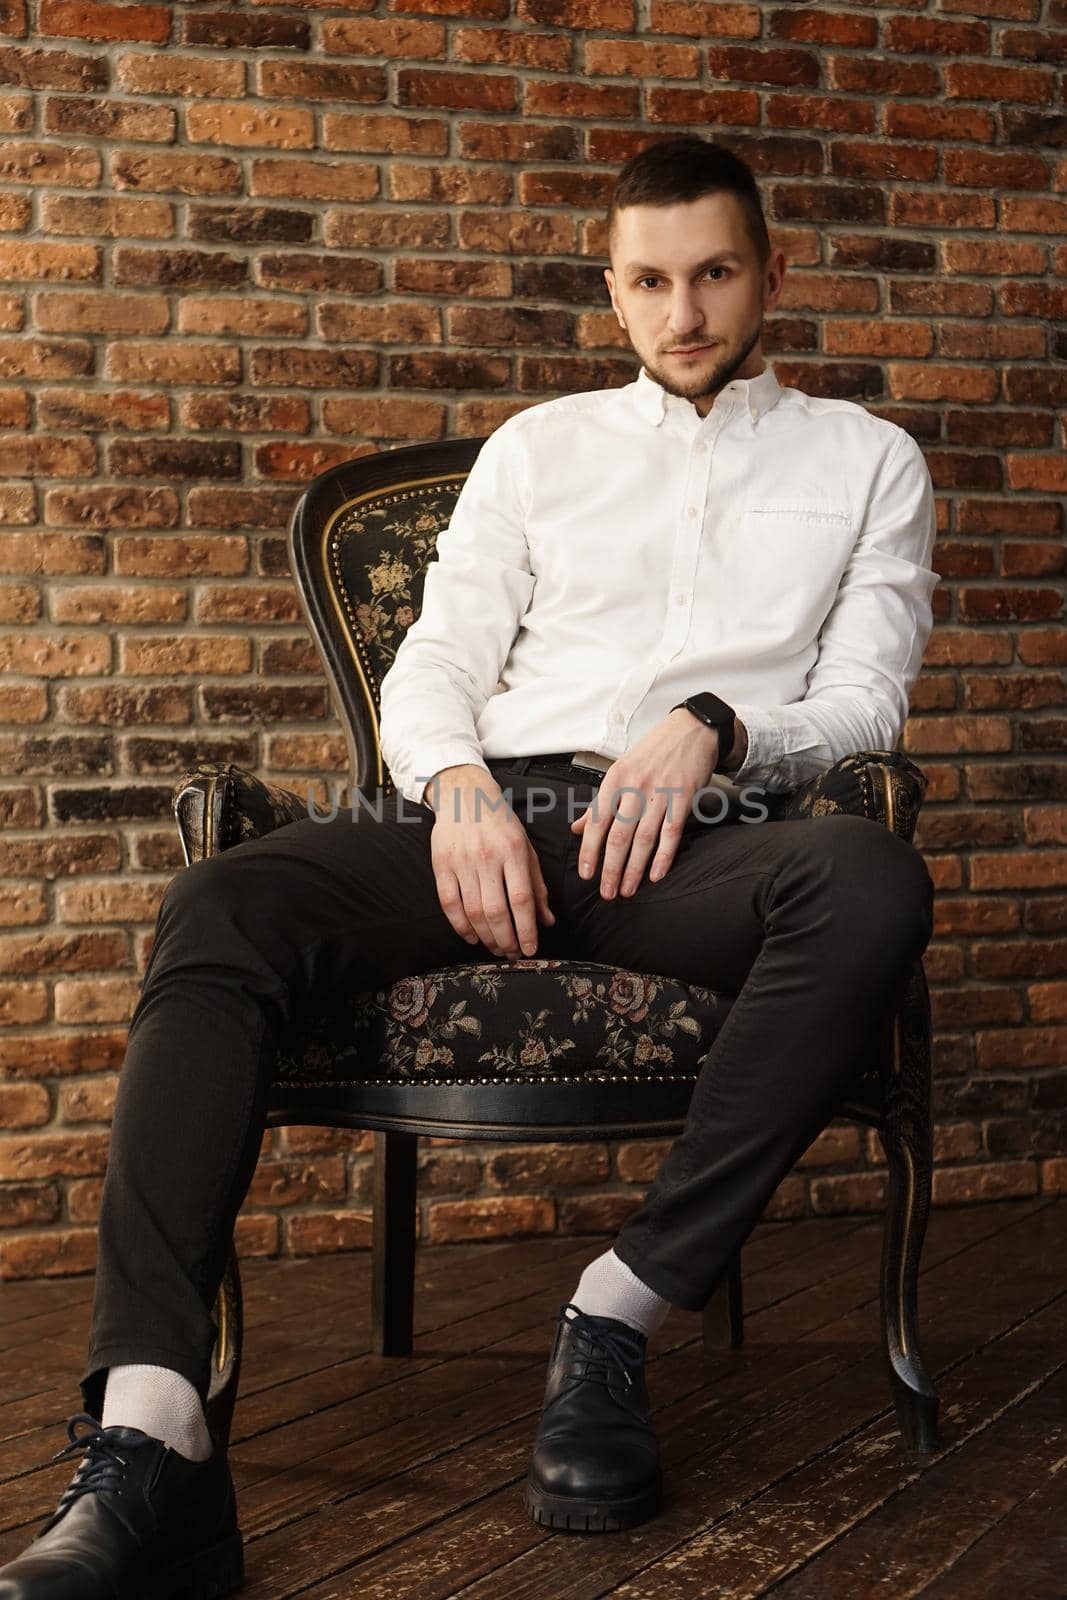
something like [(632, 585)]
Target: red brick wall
[(239, 243)]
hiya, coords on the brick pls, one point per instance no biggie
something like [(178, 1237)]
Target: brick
[(101, 313), (23, 1106), (217, 122), (26, 702), (448, 371), (282, 1183), (447, 1172), (387, 418), (181, 556), (109, 410), (82, 19), (990, 1181), (298, 270), (705, 18), (461, 91), (395, 40), (15, 212), (185, 77), (41, 358), (735, 106), (496, 47), (308, 752), (231, 30), (511, 141), (399, 322), (318, 369), (238, 508), (326, 1232), (448, 185), (30, 455), (300, 463), (420, 136), (176, 173), (27, 1203), (245, 413), (250, 224), (510, 1216), (848, 1194), (315, 180), (106, 506), (166, 362), (263, 703), (385, 230), (55, 655), (90, 1101), (616, 15), (49, 262), (104, 603), (52, 69), (185, 268), (551, 98), (625, 58), (971, 81), (255, 317), (298, 80), (152, 655), (55, 1253), (1036, 869), (110, 902), (471, 278), (174, 458), (553, 1165), (51, 165), (110, 119), (106, 216), (20, 602), (47, 1156), (95, 1000), (251, 603), (110, 705)]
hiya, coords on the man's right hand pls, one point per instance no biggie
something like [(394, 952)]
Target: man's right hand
[(488, 876)]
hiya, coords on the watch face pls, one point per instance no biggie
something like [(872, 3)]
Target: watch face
[(712, 709)]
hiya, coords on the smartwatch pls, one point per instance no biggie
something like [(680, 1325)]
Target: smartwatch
[(708, 708)]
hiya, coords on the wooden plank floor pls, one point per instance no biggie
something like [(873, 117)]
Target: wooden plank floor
[(388, 1479)]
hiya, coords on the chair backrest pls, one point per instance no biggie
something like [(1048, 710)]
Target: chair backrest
[(360, 538)]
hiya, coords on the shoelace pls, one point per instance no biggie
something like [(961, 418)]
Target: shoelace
[(602, 1350), (104, 1465)]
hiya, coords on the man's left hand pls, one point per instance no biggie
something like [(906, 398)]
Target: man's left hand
[(657, 780)]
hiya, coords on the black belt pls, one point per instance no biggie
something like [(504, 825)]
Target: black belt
[(557, 764)]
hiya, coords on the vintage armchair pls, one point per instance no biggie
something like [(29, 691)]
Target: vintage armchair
[(544, 1050)]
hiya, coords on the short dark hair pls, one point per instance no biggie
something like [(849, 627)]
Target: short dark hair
[(686, 168)]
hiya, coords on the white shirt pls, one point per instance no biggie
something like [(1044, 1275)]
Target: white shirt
[(612, 552)]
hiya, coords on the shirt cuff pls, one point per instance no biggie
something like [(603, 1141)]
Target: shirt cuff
[(765, 745), (432, 760)]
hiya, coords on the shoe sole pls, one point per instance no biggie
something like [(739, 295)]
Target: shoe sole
[(208, 1575), (571, 1515)]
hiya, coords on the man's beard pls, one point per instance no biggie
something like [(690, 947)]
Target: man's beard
[(699, 387)]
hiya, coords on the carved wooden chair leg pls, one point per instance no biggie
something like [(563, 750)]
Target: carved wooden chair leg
[(724, 1318), (393, 1264), (907, 1137), (228, 1317)]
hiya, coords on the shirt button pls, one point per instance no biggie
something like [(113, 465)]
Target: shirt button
[(691, 511), (679, 599)]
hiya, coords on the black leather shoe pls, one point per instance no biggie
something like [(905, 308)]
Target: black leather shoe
[(595, 1466), (138, 1521)]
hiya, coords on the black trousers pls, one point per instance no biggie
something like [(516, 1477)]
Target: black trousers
[(811, 924)]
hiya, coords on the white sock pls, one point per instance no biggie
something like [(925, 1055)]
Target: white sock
[(162, 1403), (607, 1288)]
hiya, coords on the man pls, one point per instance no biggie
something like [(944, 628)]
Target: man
[(701, 535)]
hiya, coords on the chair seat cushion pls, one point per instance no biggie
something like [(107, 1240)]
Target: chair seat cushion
[(536, 1020)]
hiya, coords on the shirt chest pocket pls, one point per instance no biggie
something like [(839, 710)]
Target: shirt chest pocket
[(792, 553)]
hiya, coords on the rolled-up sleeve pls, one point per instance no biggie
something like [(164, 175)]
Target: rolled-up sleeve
[(871, 644), (475, 594)]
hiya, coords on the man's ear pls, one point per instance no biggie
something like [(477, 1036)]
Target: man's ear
[(609, 279)]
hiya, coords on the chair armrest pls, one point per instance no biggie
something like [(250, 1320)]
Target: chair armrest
[(217, 805), (881, 784)]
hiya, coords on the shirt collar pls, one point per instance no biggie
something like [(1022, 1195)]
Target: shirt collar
[(759, 394)]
